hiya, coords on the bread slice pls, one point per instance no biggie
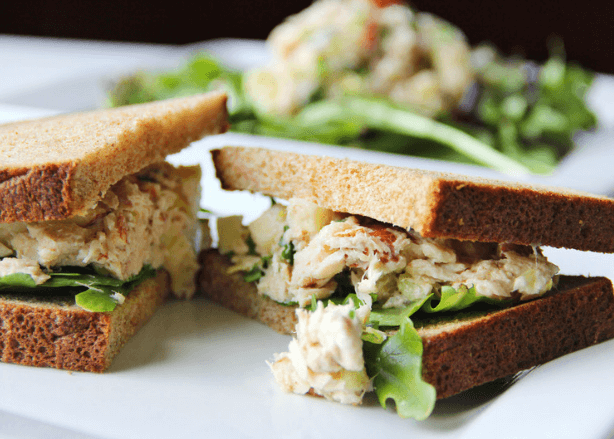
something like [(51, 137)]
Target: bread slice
[(435, 204), (54, 332), (471, 349), (58, 167)]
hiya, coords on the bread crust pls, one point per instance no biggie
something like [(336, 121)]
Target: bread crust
[(474, 351), (435, 204), (58, 167), (54, 332), (467, 351)]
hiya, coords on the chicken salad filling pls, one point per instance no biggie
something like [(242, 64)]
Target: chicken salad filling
[(144, 222), (357, 281), (297, 251)]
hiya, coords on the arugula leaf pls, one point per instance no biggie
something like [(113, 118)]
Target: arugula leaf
[(396, 368)]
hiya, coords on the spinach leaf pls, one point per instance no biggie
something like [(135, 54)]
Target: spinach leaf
[(101, 294)]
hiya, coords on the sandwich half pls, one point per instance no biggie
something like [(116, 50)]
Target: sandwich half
[(415, 284), (96, 229)]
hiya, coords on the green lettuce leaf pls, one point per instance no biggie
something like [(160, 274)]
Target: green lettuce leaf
[(396, 316), (396, 368), (19, 280), (96, 300), (100, 290), (456, 300)]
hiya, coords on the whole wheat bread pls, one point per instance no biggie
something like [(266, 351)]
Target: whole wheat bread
[(434, 204), (54, 332), (470, 350), (58, 167)]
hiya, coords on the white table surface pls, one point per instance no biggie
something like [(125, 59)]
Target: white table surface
[(42, 76)]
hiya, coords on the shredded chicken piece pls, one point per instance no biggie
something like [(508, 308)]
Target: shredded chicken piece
[(375, 251), (326, 355)]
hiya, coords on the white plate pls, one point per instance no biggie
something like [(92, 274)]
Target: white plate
[(197, 370)]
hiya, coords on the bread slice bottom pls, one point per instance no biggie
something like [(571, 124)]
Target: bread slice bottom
[(54, 332), (472, 348)]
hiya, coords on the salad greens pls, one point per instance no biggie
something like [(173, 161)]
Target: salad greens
[(518, 118), (396, 368), (395, 362), (93, 291)]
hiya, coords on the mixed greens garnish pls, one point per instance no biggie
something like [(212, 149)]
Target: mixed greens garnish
[(519, 117), (94, 291)]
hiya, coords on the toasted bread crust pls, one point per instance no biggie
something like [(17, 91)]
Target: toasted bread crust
[(58, 167), (471, 352), (57, 333), (467, 352), (436, 205)]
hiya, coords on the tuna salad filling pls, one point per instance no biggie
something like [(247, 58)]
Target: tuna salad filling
[(356, 282), (145, 222)]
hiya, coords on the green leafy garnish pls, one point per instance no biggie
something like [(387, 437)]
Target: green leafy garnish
[(396, 316), (16, 280), (288, 252), (101, 291), (96, 301), (523, 118), (396, 368), (373, 335), (257, 270), (254, 274), (251, 246), (456, 300)]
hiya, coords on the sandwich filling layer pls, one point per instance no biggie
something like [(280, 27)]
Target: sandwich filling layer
[(305, 255), (145, 220)]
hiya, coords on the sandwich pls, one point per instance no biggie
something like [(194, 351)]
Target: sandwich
[(96, 229), (416, 285)]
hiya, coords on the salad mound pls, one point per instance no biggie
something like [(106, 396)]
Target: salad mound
[(382, 76)]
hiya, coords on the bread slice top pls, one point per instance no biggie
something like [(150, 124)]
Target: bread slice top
[(435, 204), (58, 167)]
